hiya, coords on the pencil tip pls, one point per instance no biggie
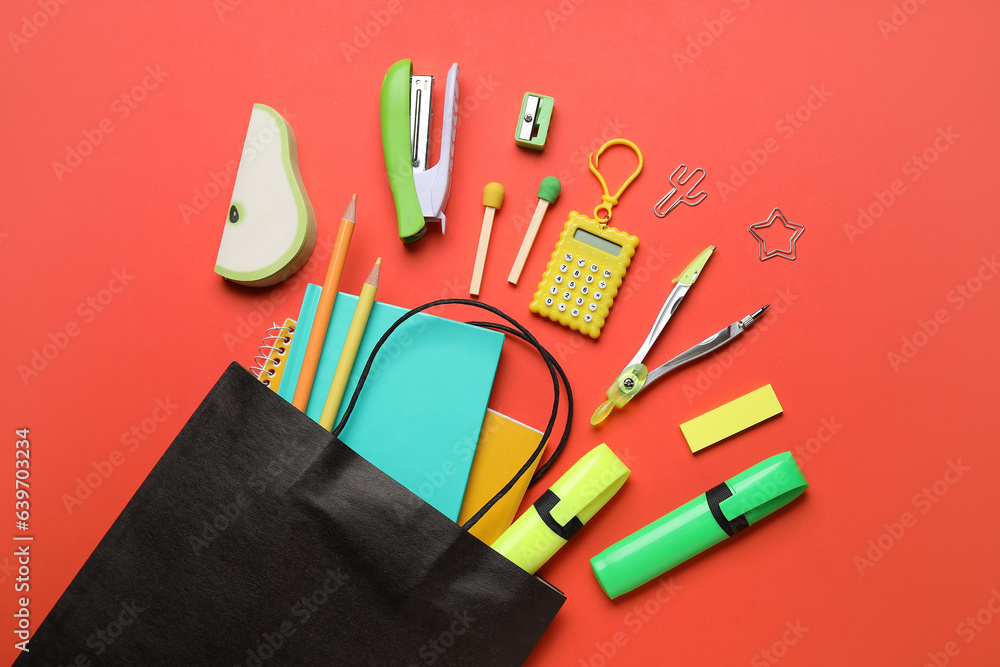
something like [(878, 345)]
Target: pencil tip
[(351, 211), (373, 275)]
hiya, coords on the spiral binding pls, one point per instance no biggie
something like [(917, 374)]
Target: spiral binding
[(272, 352)]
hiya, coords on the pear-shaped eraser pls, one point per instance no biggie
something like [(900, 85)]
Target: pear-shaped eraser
[(270, 227)]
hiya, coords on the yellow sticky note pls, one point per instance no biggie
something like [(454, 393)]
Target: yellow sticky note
[(731, 418)]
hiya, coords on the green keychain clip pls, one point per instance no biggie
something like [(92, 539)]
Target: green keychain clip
[(562, 510), (721, 512)]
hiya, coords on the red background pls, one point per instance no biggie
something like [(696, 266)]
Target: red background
[(839, 312)]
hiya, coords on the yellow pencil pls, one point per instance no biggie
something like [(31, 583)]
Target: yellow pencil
[(346, 362)]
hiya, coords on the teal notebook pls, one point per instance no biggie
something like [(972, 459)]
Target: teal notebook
[(421, 410)]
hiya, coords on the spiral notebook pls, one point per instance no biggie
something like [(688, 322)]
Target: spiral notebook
[(269, 364), (419, 416)]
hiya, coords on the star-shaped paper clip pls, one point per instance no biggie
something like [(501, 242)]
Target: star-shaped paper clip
[(763, 252)]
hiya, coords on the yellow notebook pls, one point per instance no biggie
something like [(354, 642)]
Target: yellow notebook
[(504, 446)]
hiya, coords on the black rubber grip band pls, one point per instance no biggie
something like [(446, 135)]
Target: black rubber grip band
[(544, 507), (714, 497)]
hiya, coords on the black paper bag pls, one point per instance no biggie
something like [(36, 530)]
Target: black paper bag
[(259, 539)]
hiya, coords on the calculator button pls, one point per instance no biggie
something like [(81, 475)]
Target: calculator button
[(568, 257), (588, 317), (581, 262), (592, 307), (563, 268), (602, 284), (571, 284), (549, 301), (562, 307), (584, 289), (596, 297), (553, 290), (607, 273), (576, 273), (559, 279), (575, 312), (579, 300), (566, 296), (590, 279), (593, 268)]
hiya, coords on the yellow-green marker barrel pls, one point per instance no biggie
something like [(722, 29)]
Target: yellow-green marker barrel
[(562, 510)]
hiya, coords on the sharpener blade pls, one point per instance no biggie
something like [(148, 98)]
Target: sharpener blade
[(529, 121)]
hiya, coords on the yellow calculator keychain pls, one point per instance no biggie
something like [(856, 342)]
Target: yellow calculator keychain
[(589, 262)]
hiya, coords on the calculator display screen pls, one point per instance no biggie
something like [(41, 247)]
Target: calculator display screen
[(598, 242)]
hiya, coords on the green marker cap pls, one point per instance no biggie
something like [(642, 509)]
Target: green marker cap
[(699, 524)]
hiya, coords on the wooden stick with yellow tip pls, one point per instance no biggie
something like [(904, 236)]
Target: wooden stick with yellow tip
[(346, 362), (492, 199), (325, 308)]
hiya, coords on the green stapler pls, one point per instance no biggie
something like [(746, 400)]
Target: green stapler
[(420, 191)]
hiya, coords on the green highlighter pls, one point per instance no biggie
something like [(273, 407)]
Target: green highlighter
[(699, 524)]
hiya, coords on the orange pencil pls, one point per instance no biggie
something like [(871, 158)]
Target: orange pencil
[(322, 322)]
